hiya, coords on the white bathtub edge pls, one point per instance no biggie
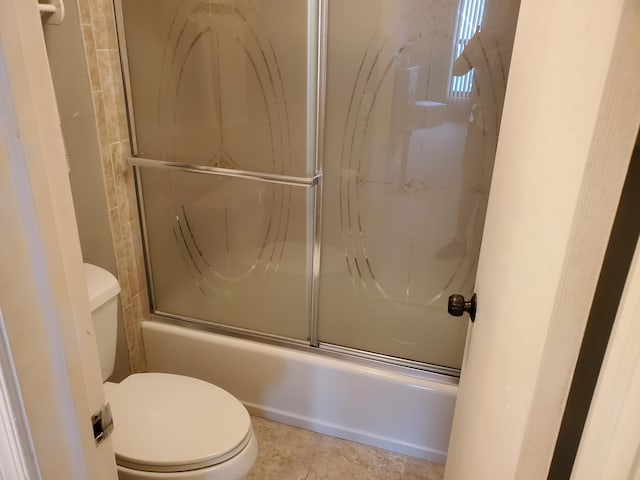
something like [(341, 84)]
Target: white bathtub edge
[(389, 410)]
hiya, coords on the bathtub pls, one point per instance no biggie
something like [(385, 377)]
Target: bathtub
[(388, 407)]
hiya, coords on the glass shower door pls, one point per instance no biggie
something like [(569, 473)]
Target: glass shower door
[(414, 98), (220, 99), (224, 102)]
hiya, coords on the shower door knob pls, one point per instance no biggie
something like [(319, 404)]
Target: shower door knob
[(458, 305)]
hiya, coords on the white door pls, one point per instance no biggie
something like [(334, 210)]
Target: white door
[(570, 118), (42, 293)]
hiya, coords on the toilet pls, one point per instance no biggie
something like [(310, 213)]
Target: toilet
[(166, 426)]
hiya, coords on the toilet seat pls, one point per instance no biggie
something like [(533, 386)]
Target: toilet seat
[(173, 423)]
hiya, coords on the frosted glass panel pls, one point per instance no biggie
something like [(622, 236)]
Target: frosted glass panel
[(220, 83), (414, 94), (408, 163), (230, 251)]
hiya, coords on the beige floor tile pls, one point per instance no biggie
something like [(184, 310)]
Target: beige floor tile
[(417, 469), (341, 460), (286, 453)]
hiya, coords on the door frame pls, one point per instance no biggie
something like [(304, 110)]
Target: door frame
[(610, 443), (17, 456)]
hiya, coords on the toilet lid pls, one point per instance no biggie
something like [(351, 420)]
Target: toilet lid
[(172, 423)]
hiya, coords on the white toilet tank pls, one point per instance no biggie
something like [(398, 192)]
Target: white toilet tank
[(103, 289)]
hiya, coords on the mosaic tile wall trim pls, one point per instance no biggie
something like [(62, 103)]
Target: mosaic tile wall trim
[(99, 36)]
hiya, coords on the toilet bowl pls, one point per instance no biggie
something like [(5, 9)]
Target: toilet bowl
[(166, 426)]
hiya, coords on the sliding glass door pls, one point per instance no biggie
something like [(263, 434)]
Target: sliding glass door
[(221, 108), (317, 171), (414, 99)]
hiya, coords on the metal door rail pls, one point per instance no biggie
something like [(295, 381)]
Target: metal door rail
[(305, 182)]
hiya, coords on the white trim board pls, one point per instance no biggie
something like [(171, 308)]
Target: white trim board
[(610, 445)]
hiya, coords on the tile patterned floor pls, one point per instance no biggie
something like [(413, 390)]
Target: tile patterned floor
[(289, 453)]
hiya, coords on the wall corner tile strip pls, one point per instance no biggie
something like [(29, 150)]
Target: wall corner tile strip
[(101, 51)]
